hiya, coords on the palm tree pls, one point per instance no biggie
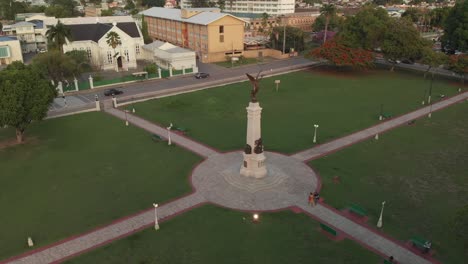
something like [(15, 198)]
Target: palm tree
[(328, 11), (113, 40), (58, 34)]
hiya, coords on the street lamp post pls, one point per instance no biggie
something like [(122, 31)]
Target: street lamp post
[(429, 99), (126, 118), (381, 112), (133, 106), (156, 224), (169, 134), (315, 132), (284, 33), (379, 223)]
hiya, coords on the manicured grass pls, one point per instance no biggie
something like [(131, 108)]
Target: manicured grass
[(339, 104), (419, 170), (245, 61), (79, 172), (214, 235)]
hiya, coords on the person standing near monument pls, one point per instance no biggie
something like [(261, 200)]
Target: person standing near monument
[(311, 199)]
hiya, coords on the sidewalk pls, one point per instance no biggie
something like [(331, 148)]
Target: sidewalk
[(337, 144)]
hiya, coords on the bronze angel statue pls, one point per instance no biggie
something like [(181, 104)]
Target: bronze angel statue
[(256, 86)]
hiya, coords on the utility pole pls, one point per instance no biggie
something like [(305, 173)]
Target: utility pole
[(284, 34)]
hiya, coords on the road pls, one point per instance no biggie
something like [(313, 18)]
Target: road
[(85, 99)]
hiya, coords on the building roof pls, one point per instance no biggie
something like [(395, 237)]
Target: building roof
[(202, 18), (37, 23), (94, 20), (95, 32), (7, 38), (20, 24), (166, 46)]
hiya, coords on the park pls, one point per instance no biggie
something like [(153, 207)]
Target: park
[(85, 172)]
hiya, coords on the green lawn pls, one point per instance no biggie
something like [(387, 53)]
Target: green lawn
[(419, 170), (215, 235), (340, 105), (244, 61), (79, 172)]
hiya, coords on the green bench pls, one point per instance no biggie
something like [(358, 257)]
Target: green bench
[(421, 243), (180, 129), (356, 209), (328, 229), (156, 138)]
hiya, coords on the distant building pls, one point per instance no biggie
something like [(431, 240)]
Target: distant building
[(303, 20), (166, 56), (170, 4), (89, 34), (30, 38), (10, 50), (23, 16), (272, 7), (92, 11), (211, 34)]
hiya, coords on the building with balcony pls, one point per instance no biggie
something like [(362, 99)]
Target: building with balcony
[(211, 34)]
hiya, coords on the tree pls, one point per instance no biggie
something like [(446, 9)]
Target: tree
[(58, 34), (366, 29), (456, 28), (439, 15), (328, 11), (61, 8), (199, 3), (459, 65), (59, 66), (130, 5), (108, 12), (333, 25), (294, 38), (144, 30), (264, 22), (339, 55), (25, 97), (222, 4), (433, 59), (113, 40), (402, 41), (151, 3), (413, 14)]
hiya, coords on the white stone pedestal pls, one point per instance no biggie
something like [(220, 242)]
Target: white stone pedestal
[(254, 163)]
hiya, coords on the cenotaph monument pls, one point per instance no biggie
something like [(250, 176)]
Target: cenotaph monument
[(254, 158)]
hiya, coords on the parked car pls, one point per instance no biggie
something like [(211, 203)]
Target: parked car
[(201, 75), (112, 92)]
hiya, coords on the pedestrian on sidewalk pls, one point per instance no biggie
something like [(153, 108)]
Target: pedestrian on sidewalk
[(311, 199), (316, 197)]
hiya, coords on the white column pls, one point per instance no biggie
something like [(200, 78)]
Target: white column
[(114, 101), (156, 223), (75, 81), (60, 88), (170, 71), (254, 163), (98, 105), (159, 73), (91, 83), (183, 70)]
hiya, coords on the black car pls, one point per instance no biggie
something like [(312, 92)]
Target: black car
[(201, 75), (112, 92)]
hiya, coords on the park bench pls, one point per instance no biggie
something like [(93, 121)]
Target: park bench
[(386, 115), (180, 129), (141, 74), (441, 96), (356, 209), (328, 229), (156, 138), (421, 243)]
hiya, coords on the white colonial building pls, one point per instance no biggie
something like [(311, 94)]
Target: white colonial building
[(271, 7), (91, 37), (166, 56)]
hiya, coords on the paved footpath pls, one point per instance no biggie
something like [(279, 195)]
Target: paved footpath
[(363, 234), (335, 145), (101, 236), (187, 143)]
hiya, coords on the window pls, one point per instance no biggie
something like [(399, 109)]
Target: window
[(221, 29), (137, 49), (109, 57), (88, 52), (221, 38), (126, 55)]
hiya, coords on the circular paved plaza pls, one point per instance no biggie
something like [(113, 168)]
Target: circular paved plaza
[(288, 180)]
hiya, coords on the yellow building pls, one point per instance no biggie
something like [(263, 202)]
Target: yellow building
[(10, 50), (211, 34)]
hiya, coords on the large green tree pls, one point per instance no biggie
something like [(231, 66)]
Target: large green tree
[(58, 34), (334, 24), (402, 41), (25, 96), (456, 28), (366, 29), (59, 66), (294, 38), (432, 59), (459, 65), (328, 11), (61, 8), (151, 3)]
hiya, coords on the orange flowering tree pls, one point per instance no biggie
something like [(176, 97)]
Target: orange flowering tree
[(340, 55)]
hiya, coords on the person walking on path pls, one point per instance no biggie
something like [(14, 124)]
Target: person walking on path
[(311, 199), (316, 197)]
